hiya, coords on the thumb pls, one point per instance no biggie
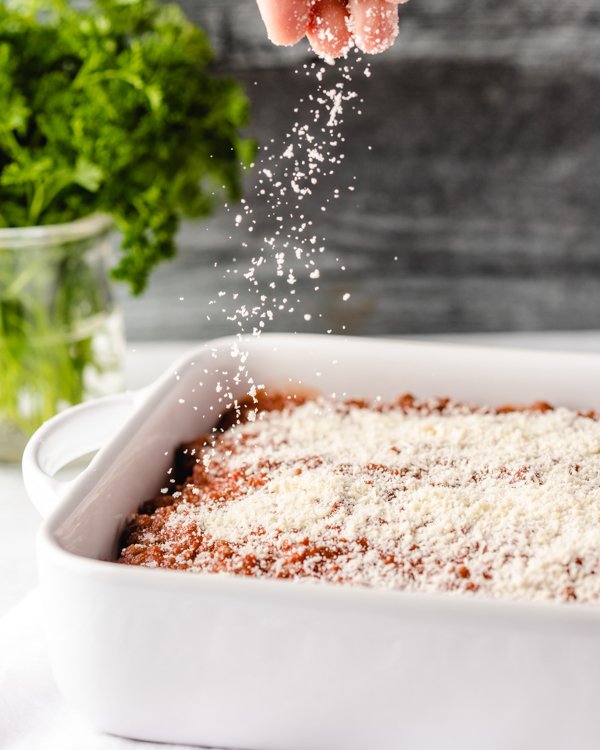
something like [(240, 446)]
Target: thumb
[(286, 20)]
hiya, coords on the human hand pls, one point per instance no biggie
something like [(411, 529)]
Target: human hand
[(332, 25)]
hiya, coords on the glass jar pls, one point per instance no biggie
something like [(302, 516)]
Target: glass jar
[(61, 335)]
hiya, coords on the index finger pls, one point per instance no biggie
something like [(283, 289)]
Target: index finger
[(286, 20)]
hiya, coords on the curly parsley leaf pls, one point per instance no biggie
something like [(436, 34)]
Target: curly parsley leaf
[(115, 108)]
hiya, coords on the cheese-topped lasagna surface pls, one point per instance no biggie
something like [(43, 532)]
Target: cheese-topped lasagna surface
[(413, 495)]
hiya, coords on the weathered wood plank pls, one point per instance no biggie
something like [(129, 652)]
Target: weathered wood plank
[(483, 179), (552, 33)]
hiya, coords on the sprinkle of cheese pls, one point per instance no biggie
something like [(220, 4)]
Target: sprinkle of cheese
[(427, 498)]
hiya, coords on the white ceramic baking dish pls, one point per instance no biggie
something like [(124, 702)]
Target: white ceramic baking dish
[(268, 665)]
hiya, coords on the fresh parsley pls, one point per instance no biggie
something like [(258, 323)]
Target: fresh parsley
[(113, 107)]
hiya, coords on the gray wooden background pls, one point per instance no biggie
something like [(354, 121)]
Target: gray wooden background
[(483, 178)]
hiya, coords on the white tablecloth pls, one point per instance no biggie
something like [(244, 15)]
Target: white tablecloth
[(32, 713)]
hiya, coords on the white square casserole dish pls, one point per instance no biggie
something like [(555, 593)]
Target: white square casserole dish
[(268, 665)]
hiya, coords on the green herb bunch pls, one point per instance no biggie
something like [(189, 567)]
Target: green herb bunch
[(114, 108), (111, 108)]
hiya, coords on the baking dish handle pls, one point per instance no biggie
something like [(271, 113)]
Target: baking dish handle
[(70, 435)]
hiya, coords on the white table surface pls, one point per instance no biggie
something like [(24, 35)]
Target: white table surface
[(144, 362)]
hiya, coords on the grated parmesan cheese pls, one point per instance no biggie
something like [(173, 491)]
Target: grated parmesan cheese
[(430, 496)]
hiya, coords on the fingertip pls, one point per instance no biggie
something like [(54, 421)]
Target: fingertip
[(374, 24), (328, 31), (328, 51), (286, 21)]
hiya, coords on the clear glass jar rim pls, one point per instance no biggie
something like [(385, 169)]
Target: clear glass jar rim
[(89, 226)]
